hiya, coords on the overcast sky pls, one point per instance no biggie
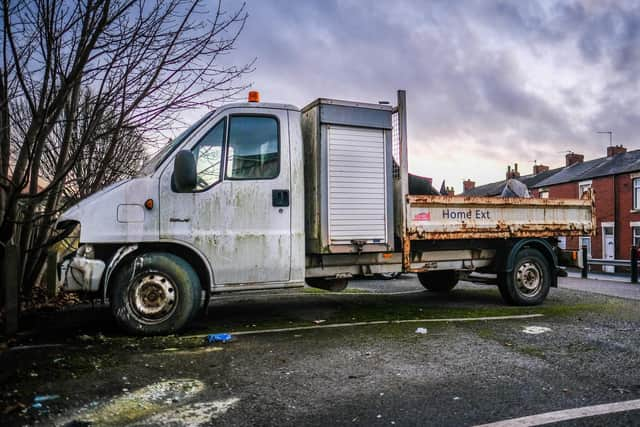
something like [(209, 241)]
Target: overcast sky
[(489, 83)]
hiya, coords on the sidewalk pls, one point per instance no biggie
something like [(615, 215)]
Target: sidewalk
[(612, 285), (607, 277)]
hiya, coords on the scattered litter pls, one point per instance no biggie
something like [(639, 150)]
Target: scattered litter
[(45, 398), (317, 322), (33, 374), (422, 331), (456, 398), (378, 416), (223, 338), (37, 405), (170, 349), (535, 330)]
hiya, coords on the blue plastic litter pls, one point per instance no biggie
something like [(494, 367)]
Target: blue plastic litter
[(223, 338), (37, 405), (44, 398)]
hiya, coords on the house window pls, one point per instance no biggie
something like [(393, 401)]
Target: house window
[(636, 193), (544, 194), (562, 242), (582, 187), (635, 239), (586, 241)]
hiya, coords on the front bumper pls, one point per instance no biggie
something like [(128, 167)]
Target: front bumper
[(81, 272)]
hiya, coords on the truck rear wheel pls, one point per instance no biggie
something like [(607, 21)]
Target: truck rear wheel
[(439, 281), (158, 295), (529, 282)]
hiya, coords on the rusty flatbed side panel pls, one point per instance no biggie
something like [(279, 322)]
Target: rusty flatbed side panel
[(493, 201), (456, 217)]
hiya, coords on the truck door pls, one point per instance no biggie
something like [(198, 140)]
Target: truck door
[(238, 215)]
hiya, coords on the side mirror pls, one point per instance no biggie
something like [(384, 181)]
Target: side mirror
[(184, 171)]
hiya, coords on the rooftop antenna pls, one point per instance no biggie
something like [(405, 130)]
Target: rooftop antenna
[(610, 132)]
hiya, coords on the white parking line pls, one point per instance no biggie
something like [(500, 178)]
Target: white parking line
[(381, 322), (568, 414)]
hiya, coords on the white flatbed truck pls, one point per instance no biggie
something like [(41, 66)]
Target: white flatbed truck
[(259, 196)]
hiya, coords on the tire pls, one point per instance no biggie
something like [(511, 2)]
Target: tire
[(529, 282), (157, 297), (441, 281)]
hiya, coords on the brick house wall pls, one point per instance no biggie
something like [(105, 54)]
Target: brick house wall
[(614, 204)]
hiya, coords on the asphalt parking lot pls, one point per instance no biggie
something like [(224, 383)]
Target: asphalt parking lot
[(486, 363)]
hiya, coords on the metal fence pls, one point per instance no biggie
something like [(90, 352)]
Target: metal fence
[(631, 263)]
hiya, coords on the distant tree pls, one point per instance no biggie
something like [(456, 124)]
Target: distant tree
[(84, 85)]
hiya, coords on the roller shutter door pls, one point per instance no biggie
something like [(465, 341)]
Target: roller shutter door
[(357, 193)]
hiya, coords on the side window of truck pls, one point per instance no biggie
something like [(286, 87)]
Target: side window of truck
[(254, 148), (208, 154)]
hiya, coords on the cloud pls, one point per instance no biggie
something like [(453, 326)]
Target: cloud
[(489, 83)]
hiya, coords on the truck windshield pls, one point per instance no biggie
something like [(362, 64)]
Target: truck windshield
[(152, 164)]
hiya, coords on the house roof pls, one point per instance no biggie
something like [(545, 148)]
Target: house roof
[(495, 188), (603, 166), (614, 165)]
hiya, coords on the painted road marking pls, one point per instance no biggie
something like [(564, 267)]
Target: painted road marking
[(379, 322), (568, 414)]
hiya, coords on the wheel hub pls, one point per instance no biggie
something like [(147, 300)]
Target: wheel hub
[(153, 297), (529, 278)]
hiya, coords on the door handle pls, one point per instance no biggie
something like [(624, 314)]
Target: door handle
[(280, 198)]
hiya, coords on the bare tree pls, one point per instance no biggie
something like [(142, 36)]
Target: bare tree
[(84, 85)]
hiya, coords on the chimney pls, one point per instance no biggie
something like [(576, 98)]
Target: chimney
[(451, 191), (614, 150), (539, 169), (573, 158), (468, 185), (513, 173)]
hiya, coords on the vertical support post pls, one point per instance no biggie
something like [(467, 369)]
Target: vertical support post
[(10, 280), (404, 171), (585, 261), (634, 264)]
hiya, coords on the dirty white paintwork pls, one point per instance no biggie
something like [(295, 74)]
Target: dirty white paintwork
[(116, 213), (296, 196), (244, 238)]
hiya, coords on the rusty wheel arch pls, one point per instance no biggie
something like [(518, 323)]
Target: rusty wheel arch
[(196, 260), (511, 251)]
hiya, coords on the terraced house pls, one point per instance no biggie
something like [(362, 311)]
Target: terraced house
[(615, 180)]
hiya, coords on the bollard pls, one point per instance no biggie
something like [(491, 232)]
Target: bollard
[(634, 264), (585, 265)]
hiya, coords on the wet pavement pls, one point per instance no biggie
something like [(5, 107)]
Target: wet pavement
[(582, 351)]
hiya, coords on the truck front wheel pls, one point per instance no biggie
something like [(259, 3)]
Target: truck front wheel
[(157, 293), (529, 281), (439, 281)]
